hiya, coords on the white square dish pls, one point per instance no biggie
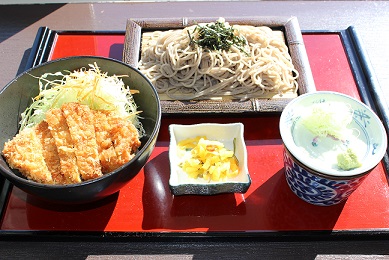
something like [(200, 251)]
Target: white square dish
[(231, 135)]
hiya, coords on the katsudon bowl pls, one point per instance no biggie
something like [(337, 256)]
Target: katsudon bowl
[(16, 96)]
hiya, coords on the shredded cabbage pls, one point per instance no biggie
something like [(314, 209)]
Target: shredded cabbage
[(87, 86), (329, 119)]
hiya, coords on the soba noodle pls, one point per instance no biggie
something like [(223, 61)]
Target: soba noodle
[(185, 71)]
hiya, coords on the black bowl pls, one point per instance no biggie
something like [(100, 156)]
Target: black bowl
[(17, 95)]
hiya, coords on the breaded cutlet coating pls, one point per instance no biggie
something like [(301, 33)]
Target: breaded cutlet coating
[(80, 120), (66, 152), (125, 138), (73, 144), (107, 154), (50, 152), (25, 153)]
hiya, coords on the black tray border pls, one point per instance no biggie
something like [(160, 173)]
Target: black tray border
[(370, 92)]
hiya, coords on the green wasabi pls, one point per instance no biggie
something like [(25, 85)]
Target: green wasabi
[(348, 160)]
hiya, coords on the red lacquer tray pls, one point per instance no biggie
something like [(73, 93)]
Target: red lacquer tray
[(145, 207)]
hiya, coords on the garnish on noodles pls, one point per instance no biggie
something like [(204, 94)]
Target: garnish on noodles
[(218, 36)]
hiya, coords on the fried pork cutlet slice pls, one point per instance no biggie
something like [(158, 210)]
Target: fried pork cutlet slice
[(125, 138), (60, 132), (25, 153), (107, 153), (117, 138), (80, 120), (50, 152), (73, 144)]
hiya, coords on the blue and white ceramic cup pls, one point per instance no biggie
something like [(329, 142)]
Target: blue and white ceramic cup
[(316, 188), (312, 165)]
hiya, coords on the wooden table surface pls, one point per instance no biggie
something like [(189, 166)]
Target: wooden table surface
[(18, 28)]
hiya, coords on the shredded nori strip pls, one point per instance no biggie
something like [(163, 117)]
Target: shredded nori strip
[(216, 36)]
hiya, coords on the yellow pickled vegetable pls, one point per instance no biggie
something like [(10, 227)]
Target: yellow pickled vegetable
[(208, 159)]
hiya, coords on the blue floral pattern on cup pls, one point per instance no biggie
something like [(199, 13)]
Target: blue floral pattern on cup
[(315, 189)]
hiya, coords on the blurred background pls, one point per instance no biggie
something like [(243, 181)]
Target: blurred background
[(13, 2)]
